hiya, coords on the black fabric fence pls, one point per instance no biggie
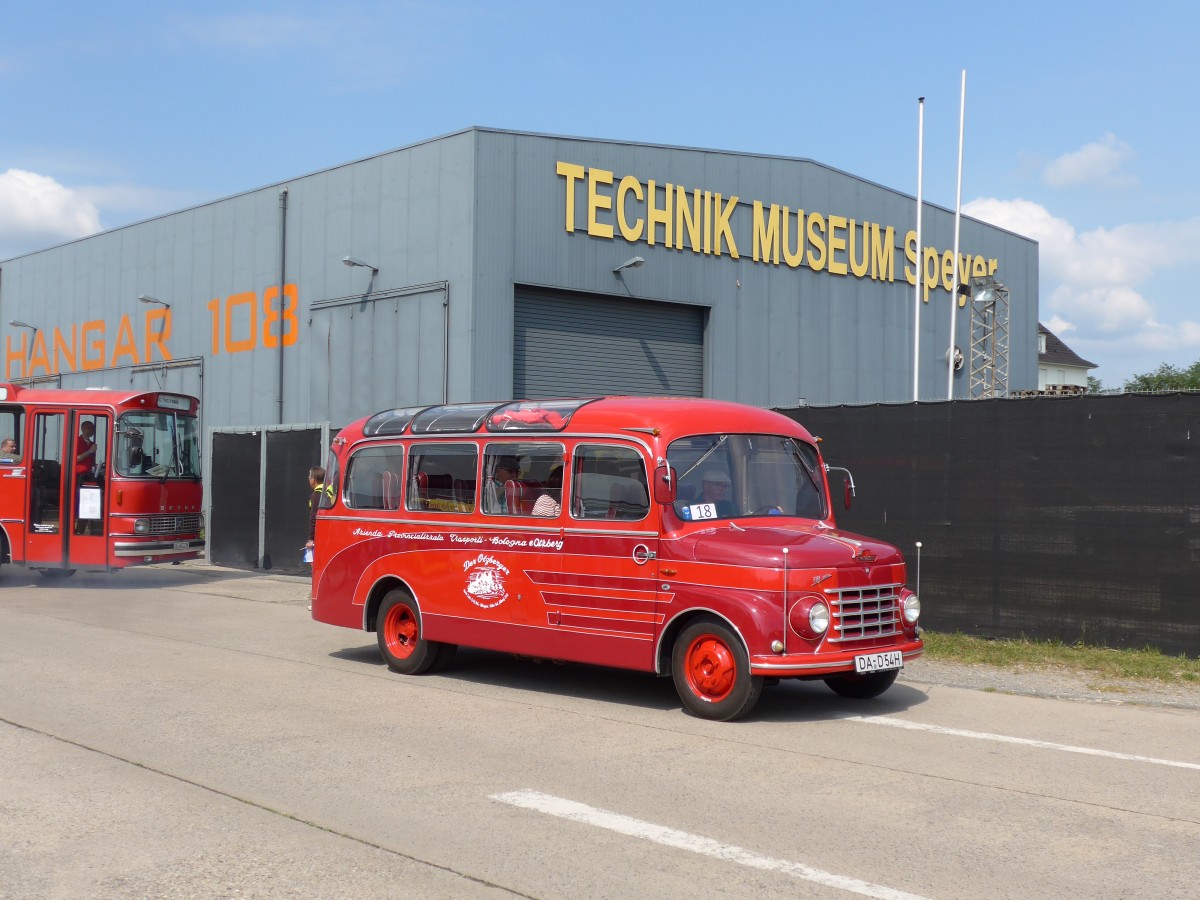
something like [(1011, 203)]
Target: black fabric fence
[(243, 483), (1070, 518)]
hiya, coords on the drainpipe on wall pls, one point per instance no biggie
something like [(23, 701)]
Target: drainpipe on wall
[(281, 321), (446, 343)]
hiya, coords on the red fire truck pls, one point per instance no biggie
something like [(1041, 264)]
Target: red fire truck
[(686, 537), (98, 479)]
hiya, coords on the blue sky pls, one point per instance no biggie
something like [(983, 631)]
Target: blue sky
[(1080, 123)]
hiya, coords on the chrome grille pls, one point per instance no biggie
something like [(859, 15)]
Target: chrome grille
[(182, 524), (860, 614)]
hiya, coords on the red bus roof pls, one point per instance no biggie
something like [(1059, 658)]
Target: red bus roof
[(671, 415), (17, 393)]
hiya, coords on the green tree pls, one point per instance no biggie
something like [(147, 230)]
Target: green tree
[(1094, 385), (1167, 378)]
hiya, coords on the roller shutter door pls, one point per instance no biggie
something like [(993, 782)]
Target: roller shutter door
[(568, 345)]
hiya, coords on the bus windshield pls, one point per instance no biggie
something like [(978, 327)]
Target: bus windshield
[(734, 476), (157, 445)]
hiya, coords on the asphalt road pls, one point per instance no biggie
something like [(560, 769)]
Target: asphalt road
[(179, 732)]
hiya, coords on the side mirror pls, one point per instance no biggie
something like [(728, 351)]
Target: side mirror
[(848, 486), (664, 485)]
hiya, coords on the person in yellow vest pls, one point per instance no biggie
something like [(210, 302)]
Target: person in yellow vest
[(316, 484)]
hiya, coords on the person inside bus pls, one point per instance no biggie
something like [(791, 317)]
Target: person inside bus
[(506, 469), (85, 449), (714, 489), (549, 504), (8, 451)]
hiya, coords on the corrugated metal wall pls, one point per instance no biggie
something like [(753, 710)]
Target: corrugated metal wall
[(570, 345), (479, 212)]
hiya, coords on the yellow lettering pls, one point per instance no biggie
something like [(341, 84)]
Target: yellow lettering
[(883, 262), (629, 184), (571, 173), (980, 268), (598, 201), (859, 267), (721, 232), (931, 271), (687, 217), (993, 265), (657, 216), (910, 253), (64, 353), (766, 234), (706, 230), (836, 243), (92, 363), (793, 258), (816, 238), (948, 269)]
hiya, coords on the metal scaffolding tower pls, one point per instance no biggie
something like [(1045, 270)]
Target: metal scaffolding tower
[(989, 338)]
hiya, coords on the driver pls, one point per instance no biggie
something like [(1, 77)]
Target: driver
[(715, 488)]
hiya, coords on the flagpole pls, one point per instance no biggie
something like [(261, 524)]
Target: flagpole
[(920, 265), (962, 109)]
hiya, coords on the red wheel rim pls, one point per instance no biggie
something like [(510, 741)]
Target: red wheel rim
[(710, 667), (400, 631)]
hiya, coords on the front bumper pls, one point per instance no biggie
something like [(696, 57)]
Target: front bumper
[(185, 547), (816, 665)]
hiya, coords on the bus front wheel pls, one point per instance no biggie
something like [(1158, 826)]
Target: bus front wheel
[(711, 670), (398, 628)]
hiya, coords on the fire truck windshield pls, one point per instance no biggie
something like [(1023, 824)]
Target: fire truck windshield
[(733, 476), (157, 445)]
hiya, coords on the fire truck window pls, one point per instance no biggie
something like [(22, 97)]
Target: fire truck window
[(441, 478), (11, 420), (373, 478), (609, 483)]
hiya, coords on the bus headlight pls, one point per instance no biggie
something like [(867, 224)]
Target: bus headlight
[(912, 608), (809, 617), (141, 526)]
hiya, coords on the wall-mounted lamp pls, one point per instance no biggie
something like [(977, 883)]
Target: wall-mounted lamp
[(355, 261), (19, 324), (146, 298), (636, 263)]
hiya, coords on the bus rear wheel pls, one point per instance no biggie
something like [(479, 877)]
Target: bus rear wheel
[(711, 670), (398, 629)]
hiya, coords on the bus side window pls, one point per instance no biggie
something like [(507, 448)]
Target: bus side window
[(442, 478), (371, 479)]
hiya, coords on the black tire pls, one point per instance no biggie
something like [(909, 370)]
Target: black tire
[(711, 670), (56, 573), (862, 687), (398, 630), (445, 657)]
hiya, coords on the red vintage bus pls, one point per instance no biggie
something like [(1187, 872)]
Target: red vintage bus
[(679, 536), (98, 479)]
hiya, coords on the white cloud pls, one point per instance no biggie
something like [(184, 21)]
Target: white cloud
[(1096, 164), (36, 211), (1092, 283)]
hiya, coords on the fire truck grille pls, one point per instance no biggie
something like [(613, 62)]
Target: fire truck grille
[(175, 524), (861, 614)]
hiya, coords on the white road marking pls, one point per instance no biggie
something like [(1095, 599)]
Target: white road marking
[(682, 840), (1028, 742)]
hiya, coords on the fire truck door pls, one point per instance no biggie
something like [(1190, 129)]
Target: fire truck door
[(48, 490)]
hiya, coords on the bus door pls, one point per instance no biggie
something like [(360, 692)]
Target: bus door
[(610, 555), (65, 502)]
